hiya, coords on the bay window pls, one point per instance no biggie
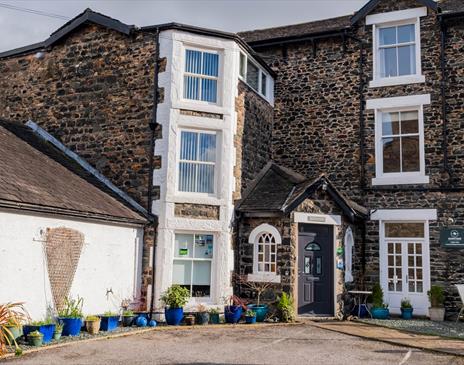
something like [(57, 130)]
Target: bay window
[(201, 75), (253, 75), (197, 162)]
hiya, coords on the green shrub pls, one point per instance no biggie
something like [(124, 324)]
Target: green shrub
[(285, 307), (110, 314), (72, 309), (92, 318), (377, 297), (250, 313), (128, 313), (175, 296), (406, 303), (436, 296)]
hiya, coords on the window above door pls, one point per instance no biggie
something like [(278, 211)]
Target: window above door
[(396, 47)]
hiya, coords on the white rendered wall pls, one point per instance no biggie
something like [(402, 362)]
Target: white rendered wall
[(110, 259), (172, 46)]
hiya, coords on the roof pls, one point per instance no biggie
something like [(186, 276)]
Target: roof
[(277, 189), (451, 6), (36, 176)]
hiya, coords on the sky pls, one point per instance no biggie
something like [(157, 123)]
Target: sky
[(19, 28)]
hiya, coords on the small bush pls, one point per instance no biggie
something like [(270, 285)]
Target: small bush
[(175, 296), (406, 303), (377, 297), (285, 307), (436, 296)]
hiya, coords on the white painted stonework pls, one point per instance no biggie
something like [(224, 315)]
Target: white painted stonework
[(110, 260)]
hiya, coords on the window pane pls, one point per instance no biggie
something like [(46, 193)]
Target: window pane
[(210, 64), (406, 33), (191, 87), (390, 124), (391, 154), (205, 179), (410, 152), (388, 62), (407, 60), (209, 90), (242, 64), (387, 36), (182, 272), (188, 146), (409, 122), (187, 176), (193, 61), (414, 230), (183, 246), (207, 147), (201, 272), (263, 84), (252, 75), (203, 246)]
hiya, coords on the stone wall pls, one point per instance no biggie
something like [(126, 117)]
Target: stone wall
[(94, 92), (197, 211)]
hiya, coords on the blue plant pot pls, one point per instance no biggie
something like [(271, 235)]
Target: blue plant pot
[(363, 313), (174, 316), (380, 313), (260, 310), (250, 320), (214, 318), (28, 328), (71, 326), (109, 323), (406, 313), (232, 313), (47, 330)]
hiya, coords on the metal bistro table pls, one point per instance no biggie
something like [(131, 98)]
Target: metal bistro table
[(360, 299)]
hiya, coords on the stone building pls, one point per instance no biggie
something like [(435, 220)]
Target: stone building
[(319, 156)]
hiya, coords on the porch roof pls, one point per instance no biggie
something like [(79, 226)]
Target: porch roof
[(277, 189)]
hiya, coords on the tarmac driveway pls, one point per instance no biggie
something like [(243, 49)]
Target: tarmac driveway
[(296, 344)]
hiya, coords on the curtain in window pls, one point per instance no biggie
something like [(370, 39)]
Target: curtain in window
[(201, 78)]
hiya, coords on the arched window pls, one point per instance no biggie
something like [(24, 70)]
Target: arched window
[(349, 248), (265, 239)]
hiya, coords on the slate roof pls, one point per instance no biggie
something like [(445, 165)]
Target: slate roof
[(451, 6), (277, 189), (36, 176)]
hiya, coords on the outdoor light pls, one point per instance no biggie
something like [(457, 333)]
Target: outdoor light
[(40, 55)]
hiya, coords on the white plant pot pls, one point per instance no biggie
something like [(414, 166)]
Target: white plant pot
[(437, 314)]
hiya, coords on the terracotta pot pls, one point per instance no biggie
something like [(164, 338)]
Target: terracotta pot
[(437, 314), (93, 327)]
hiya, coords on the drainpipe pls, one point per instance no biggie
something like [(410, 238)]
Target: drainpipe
[(153, 125)]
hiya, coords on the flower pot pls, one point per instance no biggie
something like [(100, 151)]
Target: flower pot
[(232, 313), (406, 313), (28, 328), (437, 314), (380, 313), (250, 319), (202, 318), (109, 323), (71, 326), (174, 316), (35, 340), (16, 331), (214, 318), (260, 310), (189, 320), (93, 327), (57, 336), (47, 330), (128, 321)]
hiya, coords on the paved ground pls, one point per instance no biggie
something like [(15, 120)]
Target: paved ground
[(298, 344)]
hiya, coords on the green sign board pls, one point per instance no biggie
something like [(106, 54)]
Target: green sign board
[(452, 237)]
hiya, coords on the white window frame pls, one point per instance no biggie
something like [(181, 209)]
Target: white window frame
[(216, 164), (398, 104), (349, 250), (391, 19), (261, 72), (264, 276), (219, 78), (192, 259)]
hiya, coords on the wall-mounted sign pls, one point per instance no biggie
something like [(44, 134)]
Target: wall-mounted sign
[(452, 237), (183, 251)]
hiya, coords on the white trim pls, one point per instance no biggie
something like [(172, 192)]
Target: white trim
[(264, 228), (400, 80), (311, 218), (398, 101), (401, 179), (262, 277), (404, 214), (396, 15), (348, 242), (252, 239)]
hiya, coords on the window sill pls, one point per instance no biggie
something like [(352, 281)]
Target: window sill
[(392, 81), (264, 278), (400, 180)]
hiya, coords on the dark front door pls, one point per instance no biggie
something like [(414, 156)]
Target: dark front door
[(315, 269)]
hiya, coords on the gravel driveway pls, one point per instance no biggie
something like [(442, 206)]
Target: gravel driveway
[(297, 344)]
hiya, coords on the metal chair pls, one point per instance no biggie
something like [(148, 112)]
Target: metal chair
[(460, 288)]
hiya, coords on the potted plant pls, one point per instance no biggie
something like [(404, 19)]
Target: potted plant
[(406, 309), (250, 317), (92, 324), (11, 317), (202, 315), (379, 308), (286, 308), (214, 315), (259, 288), (233, 309), (35, 338), (128, 317), (14, 329), (58, 331), (46, 327), (71, 316), (109, 321), (174, 299), (437, 298)]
